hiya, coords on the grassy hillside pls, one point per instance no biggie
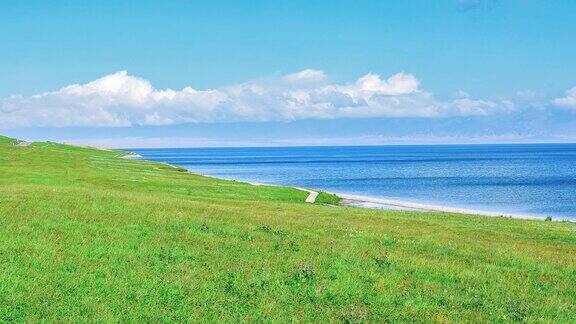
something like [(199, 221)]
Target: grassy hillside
[(85, 235)]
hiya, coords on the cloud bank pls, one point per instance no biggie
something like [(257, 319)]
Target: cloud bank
[(568, 101), (120, 100)]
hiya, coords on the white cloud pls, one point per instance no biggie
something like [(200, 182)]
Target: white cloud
[(308, 75), (568, 101), (120, 99), (395, 85)]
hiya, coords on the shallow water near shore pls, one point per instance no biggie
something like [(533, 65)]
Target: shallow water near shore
[(526, 179)]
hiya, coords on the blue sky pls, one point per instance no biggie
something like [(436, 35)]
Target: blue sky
[(374, 72)]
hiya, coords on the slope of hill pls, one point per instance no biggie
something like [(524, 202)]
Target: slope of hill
[(86, 235)]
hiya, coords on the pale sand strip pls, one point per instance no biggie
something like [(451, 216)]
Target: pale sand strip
[(372, 202)]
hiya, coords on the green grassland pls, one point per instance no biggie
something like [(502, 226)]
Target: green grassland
[(88, 236)]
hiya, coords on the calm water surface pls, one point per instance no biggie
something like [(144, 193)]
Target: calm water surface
[(532, 179)]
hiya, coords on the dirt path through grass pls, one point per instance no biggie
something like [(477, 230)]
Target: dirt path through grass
[(312, 195)]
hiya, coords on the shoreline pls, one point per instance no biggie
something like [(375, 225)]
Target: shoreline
[(386, 203), (370, 202)]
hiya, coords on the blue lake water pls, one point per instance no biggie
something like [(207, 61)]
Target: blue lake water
[(530, 179)]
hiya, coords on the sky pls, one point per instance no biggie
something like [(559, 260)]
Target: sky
[(267, 73)]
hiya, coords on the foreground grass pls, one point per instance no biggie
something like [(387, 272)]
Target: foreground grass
[(85, 235)]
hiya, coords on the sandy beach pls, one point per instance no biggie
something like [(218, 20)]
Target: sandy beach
[(384, 203)]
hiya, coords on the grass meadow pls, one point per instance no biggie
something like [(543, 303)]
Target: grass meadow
[(88, 236)]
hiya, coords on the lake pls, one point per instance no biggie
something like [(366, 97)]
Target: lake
[(529, 179)]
